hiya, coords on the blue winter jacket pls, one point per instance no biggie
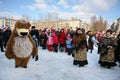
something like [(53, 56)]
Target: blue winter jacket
[(68, 43)]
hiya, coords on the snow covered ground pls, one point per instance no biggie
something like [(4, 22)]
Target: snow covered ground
[(57, 66)]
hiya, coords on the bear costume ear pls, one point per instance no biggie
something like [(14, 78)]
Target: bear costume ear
[(18, 23), (28, 24), (21, 22)]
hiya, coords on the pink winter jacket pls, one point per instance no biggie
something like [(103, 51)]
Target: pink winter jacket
[(49, 40)]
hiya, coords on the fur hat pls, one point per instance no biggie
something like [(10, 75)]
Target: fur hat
[(109, 30)]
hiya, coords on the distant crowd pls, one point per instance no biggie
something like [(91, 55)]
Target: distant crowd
[(75, 43)]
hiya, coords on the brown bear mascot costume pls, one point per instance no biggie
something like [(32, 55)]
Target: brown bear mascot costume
[(20, 46)]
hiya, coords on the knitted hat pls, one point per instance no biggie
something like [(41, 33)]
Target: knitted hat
[(68, 36)]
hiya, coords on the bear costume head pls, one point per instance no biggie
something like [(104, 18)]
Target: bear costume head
[(22, 28), (20, 45)]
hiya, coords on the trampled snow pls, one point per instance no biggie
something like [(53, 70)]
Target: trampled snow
[(57, 66)]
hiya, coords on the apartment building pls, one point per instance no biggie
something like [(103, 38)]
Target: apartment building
[(61, 24), (7, 22)]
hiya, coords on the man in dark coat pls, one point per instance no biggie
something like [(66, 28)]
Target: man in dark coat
[(43, 39), (7, 34), (35, 35), (117, 50), (1, 40)]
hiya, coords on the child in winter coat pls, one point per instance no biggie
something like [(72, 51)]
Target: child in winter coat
[(50, 42), (69, 44)]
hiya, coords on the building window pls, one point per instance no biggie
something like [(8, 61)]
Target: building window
[(7, 22)]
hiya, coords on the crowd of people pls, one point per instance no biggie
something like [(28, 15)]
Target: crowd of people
[(75, 43)]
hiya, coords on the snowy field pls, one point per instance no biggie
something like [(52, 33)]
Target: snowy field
[(57, 66)]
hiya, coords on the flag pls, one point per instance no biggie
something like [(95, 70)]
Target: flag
[(3, 28)]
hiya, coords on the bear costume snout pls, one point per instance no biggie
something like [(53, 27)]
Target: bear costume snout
[(22, 32)]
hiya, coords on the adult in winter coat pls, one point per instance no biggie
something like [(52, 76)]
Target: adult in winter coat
[(92, 41), (35, 35), (1, 40), (80, 51), (55, 42), (62, 39), (107, 55), (7, 34), (117, 50), (43, 39)]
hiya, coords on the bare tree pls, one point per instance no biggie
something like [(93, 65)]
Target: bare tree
[(26, 17), (105, 25), (41, 16), (115, 26), (56, 16), (98, 24), (93, 23)]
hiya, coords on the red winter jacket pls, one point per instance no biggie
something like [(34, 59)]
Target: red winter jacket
[(62, 37), (55, 38)]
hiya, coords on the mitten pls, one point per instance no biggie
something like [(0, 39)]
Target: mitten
[(33, 56), (36, 58)]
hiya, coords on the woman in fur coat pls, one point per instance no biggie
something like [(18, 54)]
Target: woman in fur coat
[(107, 47), (80, 51)]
